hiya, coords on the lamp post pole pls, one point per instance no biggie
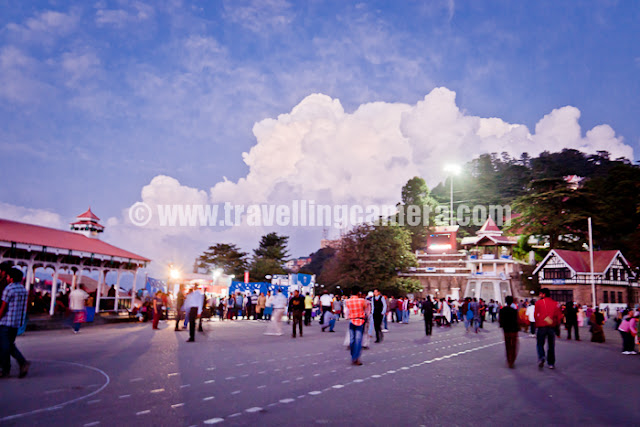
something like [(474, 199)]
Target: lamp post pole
[(593, 279), (451, 202)]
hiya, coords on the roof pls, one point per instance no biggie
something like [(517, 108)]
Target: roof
[(88, 214), (489, 227), (29, 234), (579, 261), (496, 240)]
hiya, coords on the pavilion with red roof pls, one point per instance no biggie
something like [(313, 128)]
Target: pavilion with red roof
[(72, 252)]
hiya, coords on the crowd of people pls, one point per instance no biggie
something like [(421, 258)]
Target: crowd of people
[(368, 316)]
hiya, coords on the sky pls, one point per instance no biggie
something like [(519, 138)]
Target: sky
[(109, 103)]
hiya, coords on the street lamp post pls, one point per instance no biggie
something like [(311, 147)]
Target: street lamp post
[(453, 170)]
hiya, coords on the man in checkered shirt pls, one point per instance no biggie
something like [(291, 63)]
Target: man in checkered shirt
[(358, 310), (12, 315)]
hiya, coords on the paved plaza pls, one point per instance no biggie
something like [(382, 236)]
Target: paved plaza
[(234, 375)]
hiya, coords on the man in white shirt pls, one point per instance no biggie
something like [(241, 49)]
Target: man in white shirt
[(531, 315), (193, 305), (279, 304), (325, 303), (77, 302)]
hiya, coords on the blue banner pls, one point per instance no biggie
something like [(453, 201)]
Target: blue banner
[(155, 285), (263, 287), (301, 279)]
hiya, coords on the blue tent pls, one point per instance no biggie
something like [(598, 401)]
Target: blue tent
[(256, 286)]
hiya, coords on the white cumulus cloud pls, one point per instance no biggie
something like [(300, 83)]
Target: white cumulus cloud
[(318, 151), (41, 217)]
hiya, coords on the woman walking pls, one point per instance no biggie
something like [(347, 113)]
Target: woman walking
[(597, 323)]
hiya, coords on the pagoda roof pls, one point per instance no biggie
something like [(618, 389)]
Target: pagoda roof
[(88, 215), (45, 237), (490, 227), (489, 240)]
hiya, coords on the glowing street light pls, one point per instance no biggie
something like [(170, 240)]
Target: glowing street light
[(217, 273), (453, 169), (174, 274)]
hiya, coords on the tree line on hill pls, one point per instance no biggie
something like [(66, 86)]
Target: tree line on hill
[(544, 204)]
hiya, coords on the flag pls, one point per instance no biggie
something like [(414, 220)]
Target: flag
[(155, 285)]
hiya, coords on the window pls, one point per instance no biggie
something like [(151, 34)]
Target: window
[(620, 298), (605, 298), (556, 273), (562, 295), (622, 274), (613, 297)]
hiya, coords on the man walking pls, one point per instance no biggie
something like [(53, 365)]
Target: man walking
[(279, 304), (13, 312), (193, 306), (308, 308), (379, 311), (474, 307), (325, 302), (510, 327), (393, 305), (427, 311), (571, 319), (358, 312), (547, 316), (296, 308), (179, 304), (77, 304)]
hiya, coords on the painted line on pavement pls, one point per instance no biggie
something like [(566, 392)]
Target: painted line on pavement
[(214, 420), (60, 405)]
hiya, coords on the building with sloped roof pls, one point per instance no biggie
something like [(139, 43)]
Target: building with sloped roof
[(567, 274)]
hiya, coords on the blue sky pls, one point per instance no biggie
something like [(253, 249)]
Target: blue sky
[(98, 98)]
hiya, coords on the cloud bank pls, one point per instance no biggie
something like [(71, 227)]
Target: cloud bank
[(320, 152)]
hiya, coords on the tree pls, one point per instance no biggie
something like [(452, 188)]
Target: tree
[(552, 209), (261, 267), (417, 211), (407, 285), (372, 255), (269, 257), (318, 261), (273, 247), (225, 256)]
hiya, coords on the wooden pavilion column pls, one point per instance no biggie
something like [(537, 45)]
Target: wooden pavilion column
[(74, 279), (133, 287), (101, 278), (115, 304), (30, 274), (54, 291)]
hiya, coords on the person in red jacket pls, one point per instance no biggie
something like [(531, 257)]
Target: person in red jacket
[(548, 316)]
